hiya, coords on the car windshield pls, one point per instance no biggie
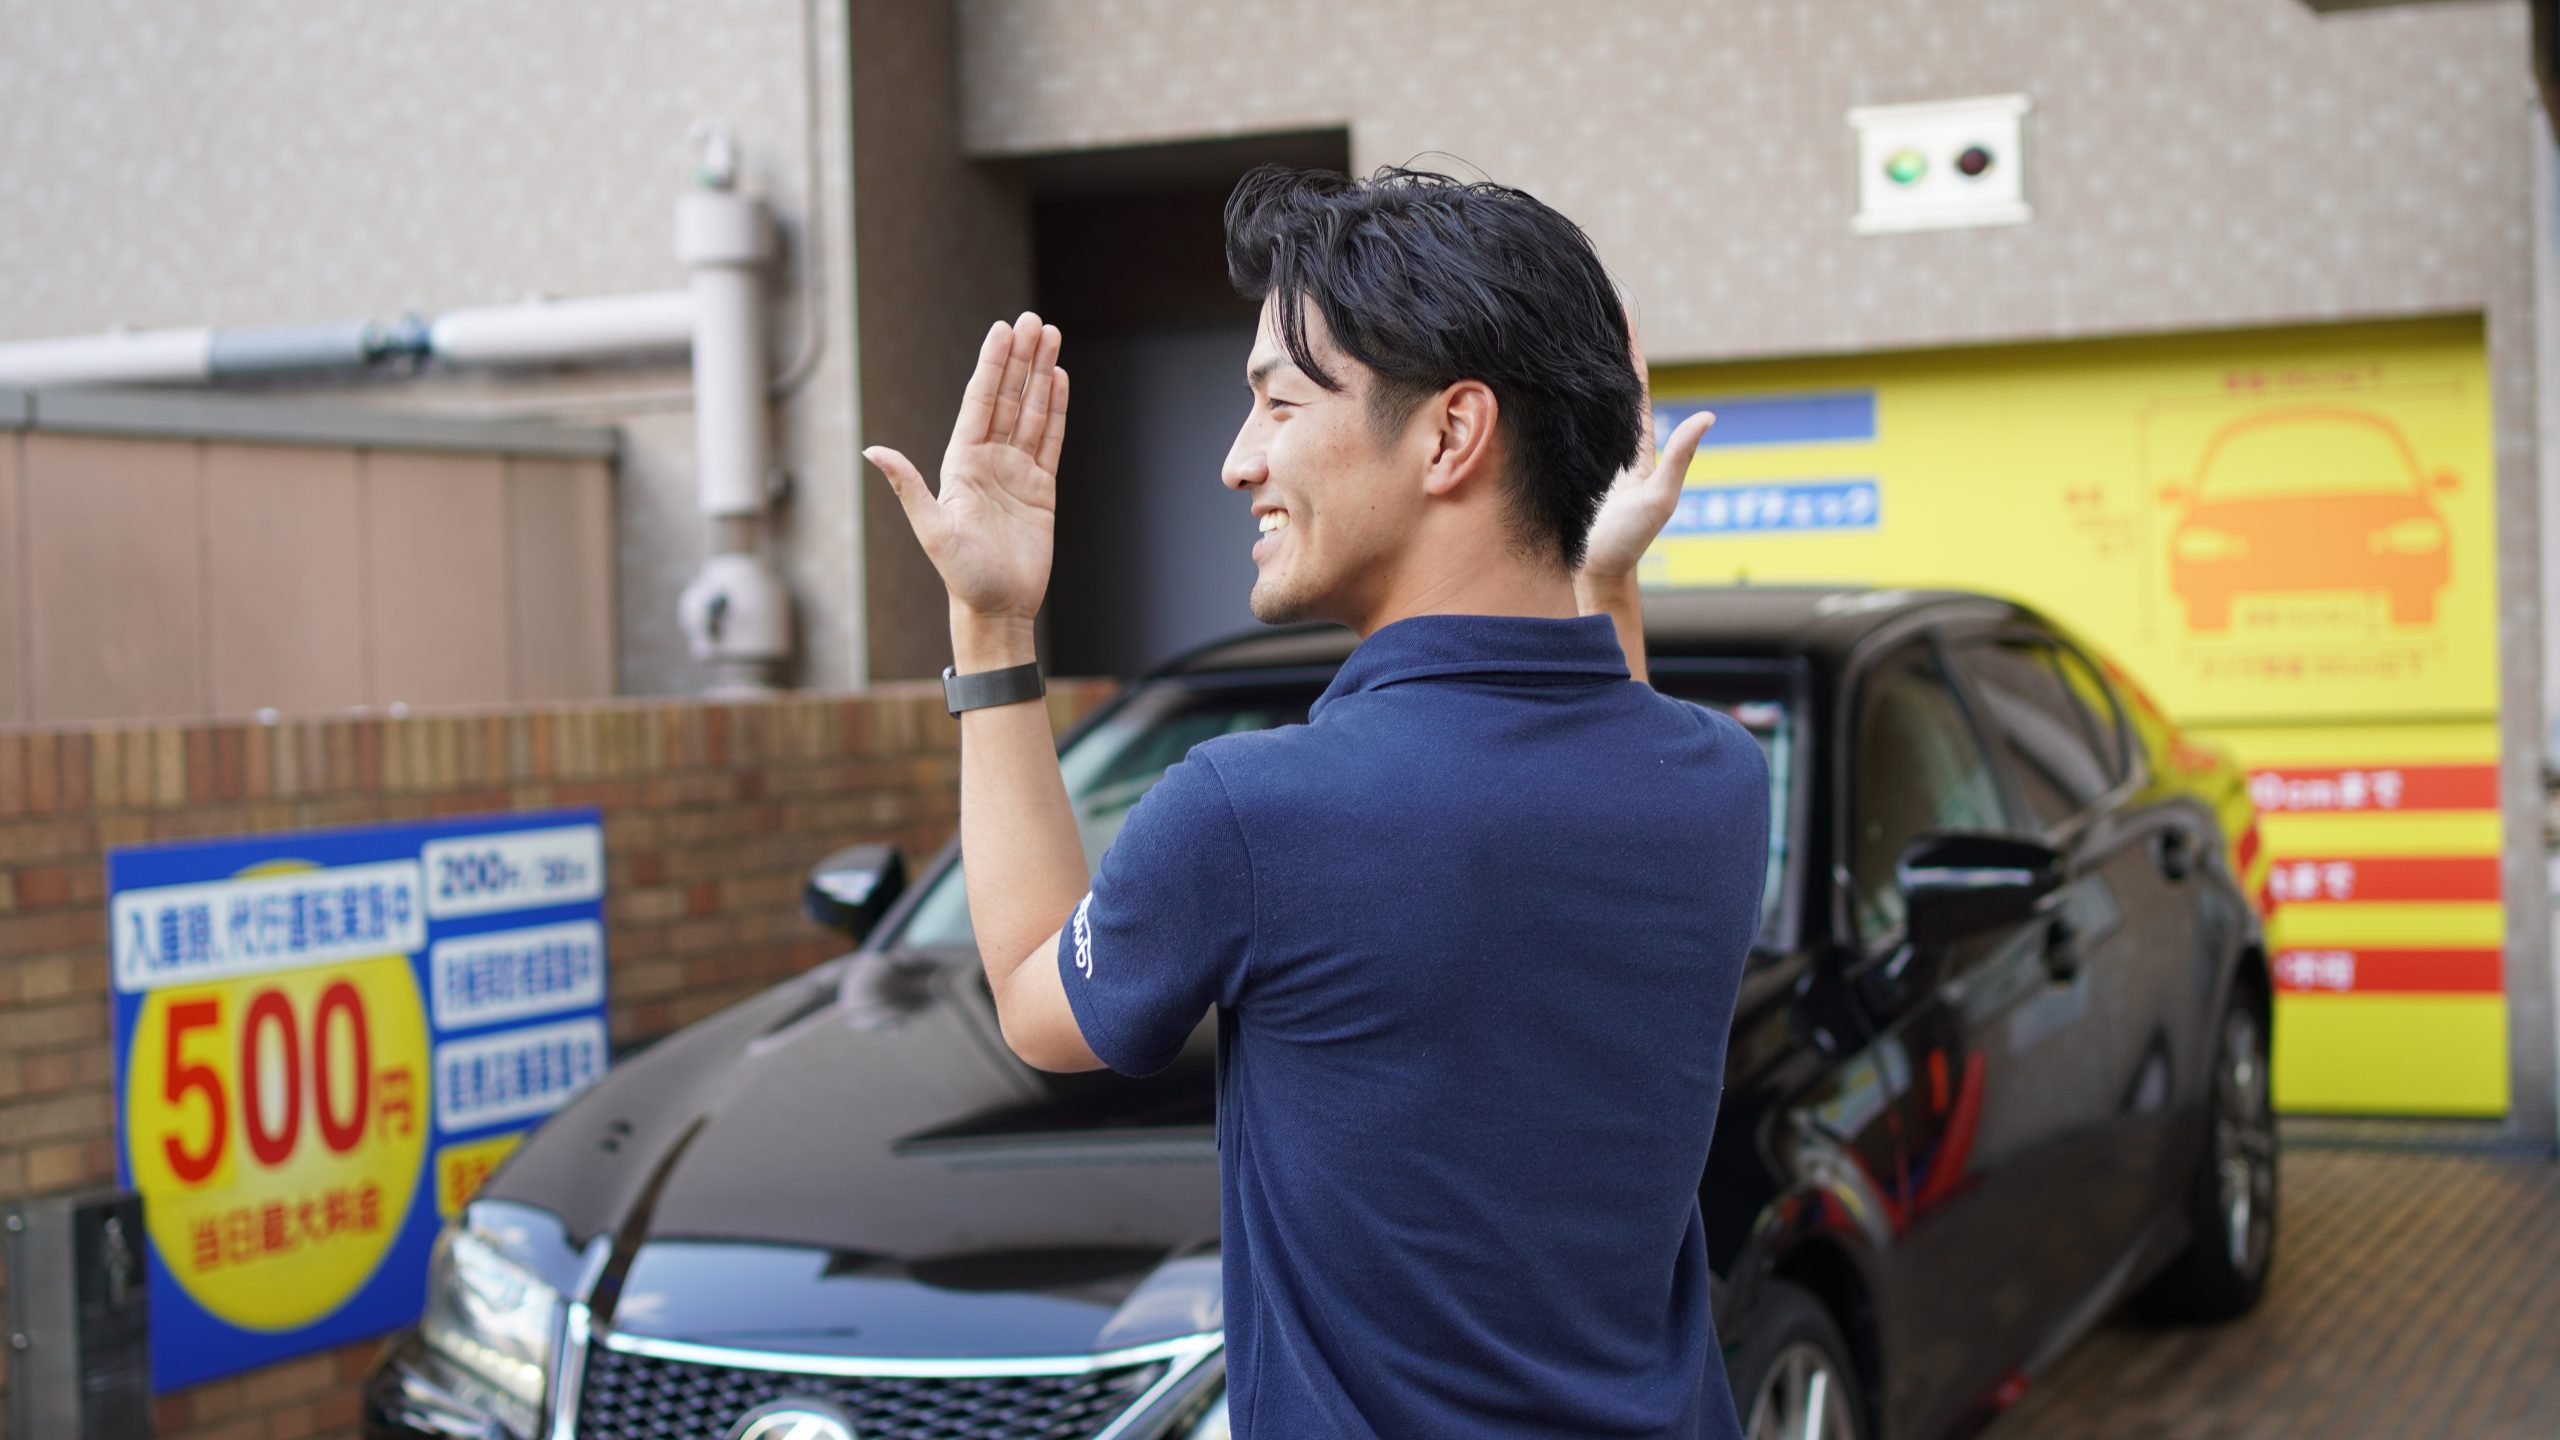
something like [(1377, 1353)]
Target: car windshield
[(2310, 455), (1111, 765)]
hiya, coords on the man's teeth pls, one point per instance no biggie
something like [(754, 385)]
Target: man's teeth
[(1275, 520)]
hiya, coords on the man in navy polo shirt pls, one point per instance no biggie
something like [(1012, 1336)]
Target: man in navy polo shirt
[(1473, 933)]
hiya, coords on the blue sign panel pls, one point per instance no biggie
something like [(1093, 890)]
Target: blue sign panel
[(1831, 418), (324, 1041), (1777, 505)]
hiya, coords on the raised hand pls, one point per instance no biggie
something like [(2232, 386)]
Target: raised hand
[(991, 528), (1640, 503)]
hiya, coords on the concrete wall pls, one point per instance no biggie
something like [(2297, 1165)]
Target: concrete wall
[(942, 250), (244, 163), (2193, 165), (712, 814)]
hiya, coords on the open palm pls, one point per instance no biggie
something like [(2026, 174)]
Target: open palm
[(1640, 502), (991, 528)]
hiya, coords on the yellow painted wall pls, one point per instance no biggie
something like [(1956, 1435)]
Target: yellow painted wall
[(2287, 536)]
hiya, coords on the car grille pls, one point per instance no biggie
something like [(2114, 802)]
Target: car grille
[(643, 1397)]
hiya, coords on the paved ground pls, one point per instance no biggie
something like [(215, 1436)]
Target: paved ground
[(2416, 1295)]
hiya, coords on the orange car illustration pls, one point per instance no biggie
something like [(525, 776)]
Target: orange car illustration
[(2308, 499)]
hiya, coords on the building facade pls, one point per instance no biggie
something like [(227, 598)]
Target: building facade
[(2240, 200)]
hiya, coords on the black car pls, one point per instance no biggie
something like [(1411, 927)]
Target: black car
[(1999, 1062)]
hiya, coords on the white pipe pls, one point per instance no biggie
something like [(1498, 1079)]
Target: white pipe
[(723, 238), (137, 356), (544, 331)]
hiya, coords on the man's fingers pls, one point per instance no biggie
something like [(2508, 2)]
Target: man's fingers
[(1055, 435), (909, 487), (1021, 346), (1034, 421), (978, 400), (1674, 467)]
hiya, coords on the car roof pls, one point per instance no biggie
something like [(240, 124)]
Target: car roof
[(1822, 622)]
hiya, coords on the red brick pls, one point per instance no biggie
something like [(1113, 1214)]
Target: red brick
[(200, 776), (292, 1380), (45, 977), (81, 1115), (43, 885), (68, 1165), (172, 1413), (43, 773), (230, 763), (339, 1409), (29, 1027), (13, 774), (47, 840), (45, 1071), (52, 930)]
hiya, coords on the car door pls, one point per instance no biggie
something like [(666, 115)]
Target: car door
[(1998, 1118), (2127, 930)]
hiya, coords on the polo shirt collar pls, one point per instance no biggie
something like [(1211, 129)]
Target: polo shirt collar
[(1427, 647)]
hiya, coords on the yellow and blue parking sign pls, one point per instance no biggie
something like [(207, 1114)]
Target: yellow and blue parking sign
[(324, 1041)]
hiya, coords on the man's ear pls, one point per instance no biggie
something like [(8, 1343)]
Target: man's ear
[(1462, 421)]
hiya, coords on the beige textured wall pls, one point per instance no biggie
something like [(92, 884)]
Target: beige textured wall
[(942, 248), (245, 162), (2192, 163)]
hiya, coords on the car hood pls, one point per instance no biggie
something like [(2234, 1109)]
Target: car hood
[(854, 1164)]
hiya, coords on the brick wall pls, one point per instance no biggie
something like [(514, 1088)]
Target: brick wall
[(712, 812)]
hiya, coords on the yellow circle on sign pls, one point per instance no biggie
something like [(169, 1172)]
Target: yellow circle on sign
[(277, 1126)]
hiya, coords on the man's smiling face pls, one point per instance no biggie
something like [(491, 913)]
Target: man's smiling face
[(1331, 499)]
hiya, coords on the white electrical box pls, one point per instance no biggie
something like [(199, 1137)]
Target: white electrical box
[(1940, 165)]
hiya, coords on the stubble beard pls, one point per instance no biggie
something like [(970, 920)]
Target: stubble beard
[(1276, 602)]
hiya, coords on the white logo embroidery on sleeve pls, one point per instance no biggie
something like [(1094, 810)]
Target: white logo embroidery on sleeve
[(1084, 936)]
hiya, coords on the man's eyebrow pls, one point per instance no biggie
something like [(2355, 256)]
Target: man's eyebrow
[(1262, 369)]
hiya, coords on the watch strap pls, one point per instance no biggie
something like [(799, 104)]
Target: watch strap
[(1009, 686)]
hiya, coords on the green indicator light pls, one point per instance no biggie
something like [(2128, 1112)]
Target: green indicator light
[(1904, 166)]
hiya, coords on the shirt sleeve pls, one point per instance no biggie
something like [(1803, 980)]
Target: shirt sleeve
[(1163, 935)]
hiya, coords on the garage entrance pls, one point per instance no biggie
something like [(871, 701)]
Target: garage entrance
[(1154, 555)]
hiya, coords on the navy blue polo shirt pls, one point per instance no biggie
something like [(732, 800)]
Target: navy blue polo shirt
[(1473, 934)]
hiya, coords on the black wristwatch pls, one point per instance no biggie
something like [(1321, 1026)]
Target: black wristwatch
[(992, 687)]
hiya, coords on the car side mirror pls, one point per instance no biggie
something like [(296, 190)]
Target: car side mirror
[(2445, 480), (2171, 492), (851, 889), (1959, 884)]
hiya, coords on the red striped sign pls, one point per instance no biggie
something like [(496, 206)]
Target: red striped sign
[(2344, 971), (2396, 877), (2373, 789)]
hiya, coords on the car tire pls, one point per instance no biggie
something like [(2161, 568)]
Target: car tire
[(1793, 1359), (2231, 1203)]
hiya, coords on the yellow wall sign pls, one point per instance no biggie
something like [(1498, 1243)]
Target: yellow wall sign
[(2287, 535), (325, 1041)]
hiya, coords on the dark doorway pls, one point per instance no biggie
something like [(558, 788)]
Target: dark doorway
[(1154, 554)]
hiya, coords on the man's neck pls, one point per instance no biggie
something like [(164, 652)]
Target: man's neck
[(1513, 589)]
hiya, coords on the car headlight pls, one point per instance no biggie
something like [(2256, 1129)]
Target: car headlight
[(2414, 536), (1212, 1424), (494, 1320)]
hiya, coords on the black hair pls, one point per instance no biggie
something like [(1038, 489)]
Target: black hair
[(1429, 280)]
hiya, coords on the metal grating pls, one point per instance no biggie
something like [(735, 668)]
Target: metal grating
[(642, 1397)]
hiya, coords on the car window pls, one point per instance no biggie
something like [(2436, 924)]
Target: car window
[(2057, 727), (2314, 454), (1110, 766), (1917, 769)]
